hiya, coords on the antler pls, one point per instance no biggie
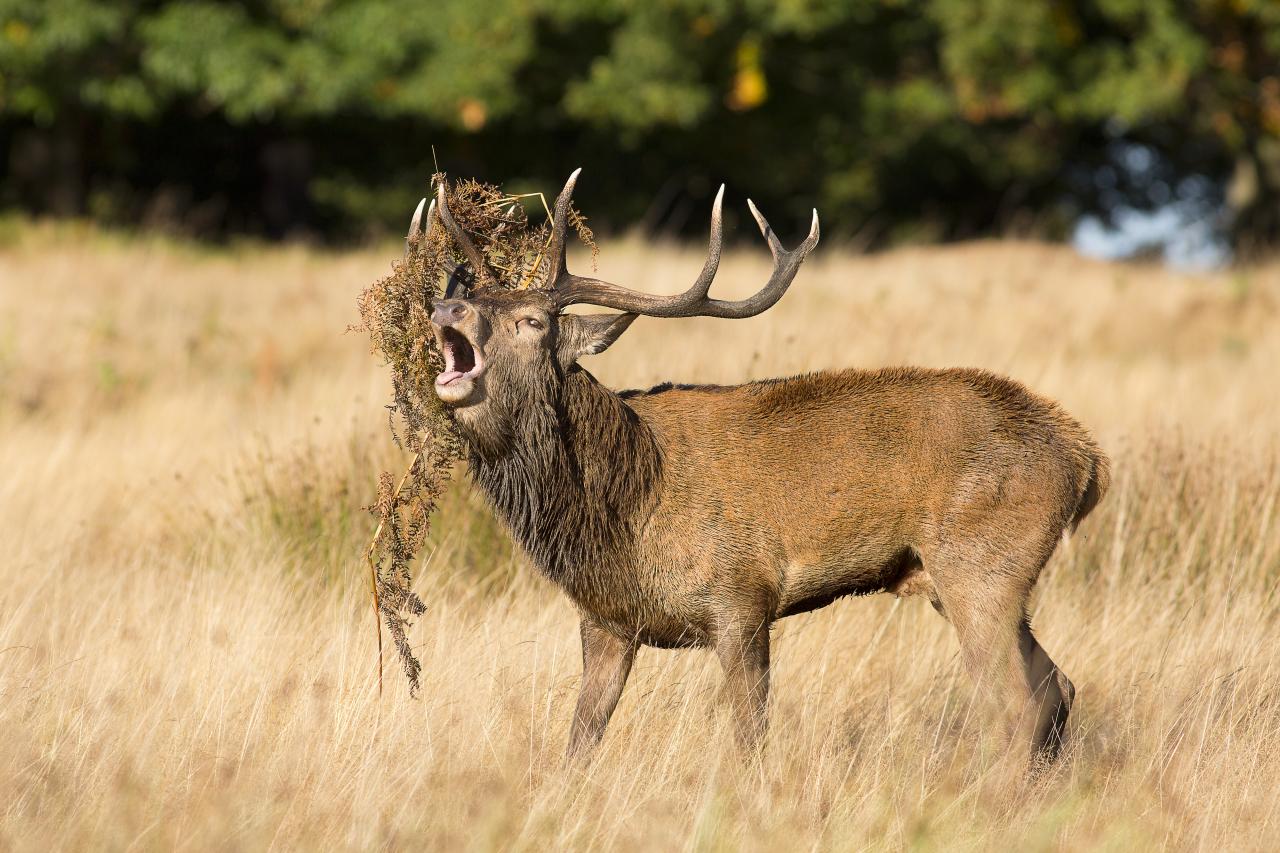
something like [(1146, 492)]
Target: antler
[(569, 289), (479, 268), (456, 272)]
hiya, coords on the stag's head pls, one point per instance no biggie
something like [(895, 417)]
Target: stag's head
[(504, 348)]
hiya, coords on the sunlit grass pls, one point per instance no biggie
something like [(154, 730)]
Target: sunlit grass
[(186, 652)]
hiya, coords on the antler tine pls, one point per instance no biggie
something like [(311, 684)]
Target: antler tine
[(478, 265), (571, 289), (560, 229), (712, 263), (775, 245), (416, 223)]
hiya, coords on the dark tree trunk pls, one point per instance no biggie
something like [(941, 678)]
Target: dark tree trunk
[(46, 166)]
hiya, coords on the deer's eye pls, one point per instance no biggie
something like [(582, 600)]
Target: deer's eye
[(531, 322)]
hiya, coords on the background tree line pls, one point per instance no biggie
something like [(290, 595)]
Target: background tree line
[(899, 119)]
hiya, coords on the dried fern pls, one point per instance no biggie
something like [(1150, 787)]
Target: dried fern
[(395, 311)]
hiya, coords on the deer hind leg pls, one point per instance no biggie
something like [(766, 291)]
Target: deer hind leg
[(988, 610), (1052, 694)]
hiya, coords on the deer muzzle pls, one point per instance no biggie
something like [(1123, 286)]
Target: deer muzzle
[(456, 326)]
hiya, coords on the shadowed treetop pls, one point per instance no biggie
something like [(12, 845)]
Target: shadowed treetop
[(920, 118)]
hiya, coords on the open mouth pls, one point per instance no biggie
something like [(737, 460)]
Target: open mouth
[(461, 359)]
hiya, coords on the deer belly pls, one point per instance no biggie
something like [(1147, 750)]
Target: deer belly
[(811, 584)]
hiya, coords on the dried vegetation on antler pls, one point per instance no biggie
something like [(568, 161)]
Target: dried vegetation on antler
[(396, 313)]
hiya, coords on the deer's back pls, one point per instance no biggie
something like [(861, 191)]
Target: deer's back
[(806, 428)]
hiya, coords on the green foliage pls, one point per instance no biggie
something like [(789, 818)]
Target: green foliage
[(883, 112), (254, 61), (648, 78)]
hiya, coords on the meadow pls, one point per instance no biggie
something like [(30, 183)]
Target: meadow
[(187, 437)]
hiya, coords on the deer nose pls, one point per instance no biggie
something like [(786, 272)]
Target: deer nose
[(448, 312)]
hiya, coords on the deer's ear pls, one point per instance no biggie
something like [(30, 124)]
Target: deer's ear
[(589, 334)]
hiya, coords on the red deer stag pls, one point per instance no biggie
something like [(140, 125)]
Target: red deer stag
[(694, 516)]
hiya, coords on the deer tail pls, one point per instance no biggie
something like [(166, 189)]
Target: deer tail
[(1095, 488)]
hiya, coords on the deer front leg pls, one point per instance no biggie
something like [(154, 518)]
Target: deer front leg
[(744, 655), (606, 663)]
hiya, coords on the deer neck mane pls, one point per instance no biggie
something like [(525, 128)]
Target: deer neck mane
[(573, 474)]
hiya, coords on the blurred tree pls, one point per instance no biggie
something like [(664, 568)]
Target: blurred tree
[(1196, 80), (899, 118)]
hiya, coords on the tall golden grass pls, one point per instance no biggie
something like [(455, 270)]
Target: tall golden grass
[(186, 438)]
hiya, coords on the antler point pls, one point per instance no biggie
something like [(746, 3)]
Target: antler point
[(416, 221)]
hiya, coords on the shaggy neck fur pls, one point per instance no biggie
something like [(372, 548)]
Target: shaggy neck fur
[(573, 473)]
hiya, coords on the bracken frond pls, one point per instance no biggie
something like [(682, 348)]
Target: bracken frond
[(395, 312)]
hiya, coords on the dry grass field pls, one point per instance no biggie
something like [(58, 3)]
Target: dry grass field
[(187, 437)]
